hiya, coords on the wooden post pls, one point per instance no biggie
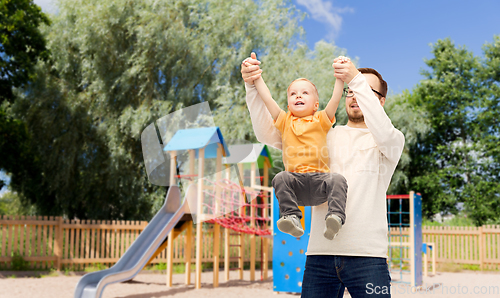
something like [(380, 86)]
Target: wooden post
[(170, 257), (227, 238), (265, 243), (253, 175), (189, 231), (170, 240), (216, 248), (199, 240), (187, 252), (252, 224), (481, 247), (412, 241), (218, 179), (241, 252), (243, 212), (59, 243), (216, 254), (433, 259), (192, 159), (425, 259), (226, 253)]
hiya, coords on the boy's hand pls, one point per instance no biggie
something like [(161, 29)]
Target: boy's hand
[(250, 70), (344, 69), (341, 59)]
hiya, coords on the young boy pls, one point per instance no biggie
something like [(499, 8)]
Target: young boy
[(307, 180)]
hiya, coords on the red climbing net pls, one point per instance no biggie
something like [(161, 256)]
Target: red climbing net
[(245, 211)]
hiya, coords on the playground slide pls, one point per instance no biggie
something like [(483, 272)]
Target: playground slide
[(139, 253)]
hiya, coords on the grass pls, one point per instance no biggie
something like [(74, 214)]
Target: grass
[(181, 268), (51, 273), (460, 220), (18, 263), (95, 267), (448, 267), (177, 269)]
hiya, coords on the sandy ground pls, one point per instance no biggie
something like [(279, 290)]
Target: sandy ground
[(147, 285)]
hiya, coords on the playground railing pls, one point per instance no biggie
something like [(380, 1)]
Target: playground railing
[(53, 242), (478, 246)]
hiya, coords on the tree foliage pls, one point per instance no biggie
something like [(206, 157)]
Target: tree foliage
[(21, 46), (457, 161), (117, 66), (11, 204), (21, 43), (411, 121)]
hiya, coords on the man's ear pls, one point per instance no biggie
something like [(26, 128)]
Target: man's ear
[(316, 106), (382, 101)]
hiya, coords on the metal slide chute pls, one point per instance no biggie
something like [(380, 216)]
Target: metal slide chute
[(143, 248)]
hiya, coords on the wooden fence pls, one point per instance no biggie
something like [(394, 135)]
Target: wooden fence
[(461, 245), (53, 242), (466, 245)]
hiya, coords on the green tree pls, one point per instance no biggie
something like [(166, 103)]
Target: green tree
[(21, 43), (411, 121), (455, 161), (12, 204), (118, 65)]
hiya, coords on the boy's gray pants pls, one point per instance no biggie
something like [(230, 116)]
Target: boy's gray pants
[(310, 189)]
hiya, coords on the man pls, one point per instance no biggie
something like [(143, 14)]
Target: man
[(366, 152)]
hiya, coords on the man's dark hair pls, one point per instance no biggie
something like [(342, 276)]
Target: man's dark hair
[(383, 84)]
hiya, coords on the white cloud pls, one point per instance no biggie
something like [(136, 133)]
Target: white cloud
[(325, 12)]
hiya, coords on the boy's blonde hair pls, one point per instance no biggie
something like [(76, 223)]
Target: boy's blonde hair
[(303, 79)]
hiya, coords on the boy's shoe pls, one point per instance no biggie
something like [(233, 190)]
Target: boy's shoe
[(290, 224), (333, 223)]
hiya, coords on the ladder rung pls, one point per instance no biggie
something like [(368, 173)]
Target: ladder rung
[(234, 258), (232, 269), (234, 244), (235, 234)]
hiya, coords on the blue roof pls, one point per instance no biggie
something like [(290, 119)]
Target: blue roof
[(197, 138)]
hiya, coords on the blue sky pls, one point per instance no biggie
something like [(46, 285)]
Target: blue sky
[(394, 36)]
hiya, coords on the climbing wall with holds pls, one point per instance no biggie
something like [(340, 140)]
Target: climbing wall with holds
[(289, 253)]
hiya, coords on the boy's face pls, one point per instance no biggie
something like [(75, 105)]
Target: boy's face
[(302, 99)]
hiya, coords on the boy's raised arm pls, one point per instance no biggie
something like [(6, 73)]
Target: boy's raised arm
[(262, 122), (333, 104), (265, 94)]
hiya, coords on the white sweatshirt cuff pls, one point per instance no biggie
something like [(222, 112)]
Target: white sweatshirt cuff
[(355, 80), (249, 86)]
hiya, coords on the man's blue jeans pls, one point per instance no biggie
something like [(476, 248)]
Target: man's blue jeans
[(328, 276)]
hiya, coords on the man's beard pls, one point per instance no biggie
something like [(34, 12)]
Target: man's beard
[(355, 119)]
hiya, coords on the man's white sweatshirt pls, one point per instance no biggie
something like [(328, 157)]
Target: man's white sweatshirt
[(367, 158)]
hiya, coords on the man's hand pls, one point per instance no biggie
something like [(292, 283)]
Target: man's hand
[(250, 70), (344, 70)]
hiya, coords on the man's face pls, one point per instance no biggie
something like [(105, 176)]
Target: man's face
[(351, 105), (302, 99)]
